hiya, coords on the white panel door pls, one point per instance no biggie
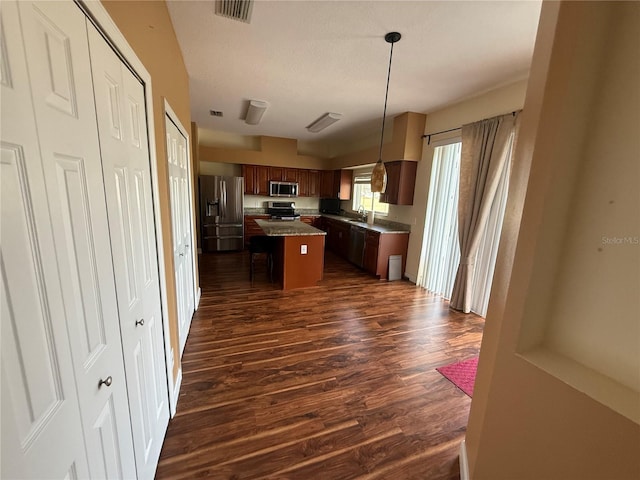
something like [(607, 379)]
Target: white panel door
[(125, 160), (41, 428), (178, 159), (57, 52)]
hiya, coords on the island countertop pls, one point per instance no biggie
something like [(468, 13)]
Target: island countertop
[(287, 228)]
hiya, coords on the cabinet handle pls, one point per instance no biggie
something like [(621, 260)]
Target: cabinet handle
[(140, 322), (107, 381)]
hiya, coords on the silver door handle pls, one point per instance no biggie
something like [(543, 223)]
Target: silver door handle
[(140, 322), (107, 381), (182, 254)]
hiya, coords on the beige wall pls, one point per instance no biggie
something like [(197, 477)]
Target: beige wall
[(279, 152), (404, 142), (147, 27), (535, 413), (495, 102)]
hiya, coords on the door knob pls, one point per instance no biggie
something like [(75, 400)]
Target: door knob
[(140, 322), (182, 254), (107, 381)]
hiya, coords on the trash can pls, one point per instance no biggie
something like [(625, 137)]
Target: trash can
[(395, 267)]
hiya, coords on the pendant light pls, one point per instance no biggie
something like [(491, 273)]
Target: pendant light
[(379, 173)]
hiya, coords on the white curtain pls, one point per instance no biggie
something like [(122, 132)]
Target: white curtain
[(486, 150), (488, 249)]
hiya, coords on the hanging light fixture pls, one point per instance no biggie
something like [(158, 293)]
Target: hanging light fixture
[(379, 173)]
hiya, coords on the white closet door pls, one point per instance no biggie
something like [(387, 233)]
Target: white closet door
[(57, 54), (125, 159), (177, 158), (41, 428)]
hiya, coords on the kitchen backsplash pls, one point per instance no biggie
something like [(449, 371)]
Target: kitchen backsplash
[(256, 205), (256, 201)]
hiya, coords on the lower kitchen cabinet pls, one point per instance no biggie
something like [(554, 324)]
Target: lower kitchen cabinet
[(378, 247), (337, 236), (313, 220), (251, 228)]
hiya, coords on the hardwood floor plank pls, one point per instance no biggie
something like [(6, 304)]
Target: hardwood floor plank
[(336, 381)]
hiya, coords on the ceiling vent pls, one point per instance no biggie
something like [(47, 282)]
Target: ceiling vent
[(235, 9), (215, 113)]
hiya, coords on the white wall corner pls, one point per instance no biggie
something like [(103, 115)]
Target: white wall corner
[(176, 393), (198, 295), (464, 464)]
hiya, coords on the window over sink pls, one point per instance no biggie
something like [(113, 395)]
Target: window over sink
[(362, 196)]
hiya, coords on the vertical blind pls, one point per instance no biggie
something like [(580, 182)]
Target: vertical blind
[(440, 250)]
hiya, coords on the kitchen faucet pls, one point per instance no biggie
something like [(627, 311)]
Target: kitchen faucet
[(362, 213)]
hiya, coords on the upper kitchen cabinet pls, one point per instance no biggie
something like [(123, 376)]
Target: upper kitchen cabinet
[(314, 183), (283, 174), (336, 184), (249, 174), (401, 181), (256, 179), (308, 183), (302, 178), (276, 174), (290, 175)]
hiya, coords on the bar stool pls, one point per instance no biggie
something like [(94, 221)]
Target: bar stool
[(261, 244)]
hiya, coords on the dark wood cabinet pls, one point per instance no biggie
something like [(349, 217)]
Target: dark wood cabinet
[(336, 184), (337, 236), (276, 174), (262, 180), (314, 183), (371, 240), (326, 184), (378, 247), (313, 220), (290, 175), (283, 174), (251, 228), (401, 181), (249, 174), (302, 178), (256, 179), (345, 179)]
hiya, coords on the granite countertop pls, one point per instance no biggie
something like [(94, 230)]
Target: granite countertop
[(287, 228), (373, 228)]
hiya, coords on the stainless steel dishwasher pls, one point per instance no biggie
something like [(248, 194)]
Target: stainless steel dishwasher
[(356, 245)]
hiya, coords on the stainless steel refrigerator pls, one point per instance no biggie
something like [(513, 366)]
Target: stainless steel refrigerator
[(221, 213)]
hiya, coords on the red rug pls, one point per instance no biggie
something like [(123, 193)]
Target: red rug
[(461, 374)]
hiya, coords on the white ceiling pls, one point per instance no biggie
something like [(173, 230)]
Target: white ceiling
[(306, 58)]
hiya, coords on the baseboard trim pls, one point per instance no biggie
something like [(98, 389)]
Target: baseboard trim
[(198, 295), (464, 463), (176, 393)]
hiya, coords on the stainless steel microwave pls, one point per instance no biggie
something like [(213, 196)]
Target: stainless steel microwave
[(283, 189)]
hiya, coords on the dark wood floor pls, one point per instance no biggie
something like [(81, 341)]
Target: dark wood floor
[(332, 382)]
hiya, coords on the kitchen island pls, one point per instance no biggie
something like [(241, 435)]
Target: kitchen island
[(299, 252)]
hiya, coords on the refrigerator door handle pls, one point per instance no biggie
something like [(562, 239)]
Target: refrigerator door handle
[(223, 197)]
